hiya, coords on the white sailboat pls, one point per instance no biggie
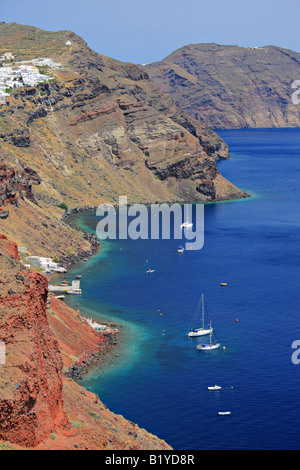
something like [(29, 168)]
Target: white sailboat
[(208, 346), (187, 223), (201, 331)]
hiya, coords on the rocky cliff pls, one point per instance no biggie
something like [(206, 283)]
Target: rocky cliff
[(231, 86), (13, 184), (100, 129), (31, 379), (40, 407)]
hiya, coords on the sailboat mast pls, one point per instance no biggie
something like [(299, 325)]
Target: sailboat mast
[(203, 311)]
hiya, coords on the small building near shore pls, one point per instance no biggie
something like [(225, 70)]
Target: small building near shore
[(3, 97), (45, 263)]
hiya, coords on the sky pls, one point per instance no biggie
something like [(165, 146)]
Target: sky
[(142, 32)]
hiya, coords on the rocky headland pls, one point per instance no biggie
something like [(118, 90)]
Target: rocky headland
[(99, 129), (230, 86)]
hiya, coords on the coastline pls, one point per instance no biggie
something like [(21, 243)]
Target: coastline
[(80, 369), (87, 344)]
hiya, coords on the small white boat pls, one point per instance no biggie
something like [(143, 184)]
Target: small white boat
[(180, 249), (200, 331), (208, 346), (224, 413), (187, 223), (150, 271), (215, 387)]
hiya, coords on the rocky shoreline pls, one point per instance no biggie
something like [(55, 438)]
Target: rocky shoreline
[(109, 339), (77, 371), (71, 259)]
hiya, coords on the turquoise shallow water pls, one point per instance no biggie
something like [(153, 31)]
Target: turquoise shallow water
[(160, 380)]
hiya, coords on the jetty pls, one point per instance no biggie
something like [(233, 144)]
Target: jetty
[(73, 289)]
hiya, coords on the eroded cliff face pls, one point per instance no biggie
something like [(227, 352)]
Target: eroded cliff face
[(231, 86), (31, 378), (90, 133), (40, 406), (13, 185), (100, 129)]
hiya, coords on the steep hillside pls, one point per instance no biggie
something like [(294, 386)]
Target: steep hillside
[(99, 129), (40, 407), (31, 378), (230, 86)]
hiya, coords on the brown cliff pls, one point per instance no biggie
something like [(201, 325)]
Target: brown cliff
[(231, 86), (14, 184), (102, 129)]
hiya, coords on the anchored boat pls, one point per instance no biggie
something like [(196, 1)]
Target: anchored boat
[(200, 331), (216, 387), (208, 346), (187, 223)]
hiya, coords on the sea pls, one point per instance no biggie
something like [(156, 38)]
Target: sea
[(155, 376)]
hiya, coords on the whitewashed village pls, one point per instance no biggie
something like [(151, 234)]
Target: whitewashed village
[(14, 75)]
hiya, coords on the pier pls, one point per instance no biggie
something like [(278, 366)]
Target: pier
[(72, 289)]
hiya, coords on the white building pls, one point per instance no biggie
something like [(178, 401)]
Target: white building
[(7, 56), (47, 264), (3, 97)]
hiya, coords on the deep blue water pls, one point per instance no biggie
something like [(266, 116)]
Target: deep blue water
[(160, 380)]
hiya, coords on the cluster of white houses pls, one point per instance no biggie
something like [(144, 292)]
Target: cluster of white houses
[(19, 75)]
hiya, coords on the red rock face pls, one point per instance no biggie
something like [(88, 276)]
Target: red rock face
[(31, 379), (39, 406), (8, 248)]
